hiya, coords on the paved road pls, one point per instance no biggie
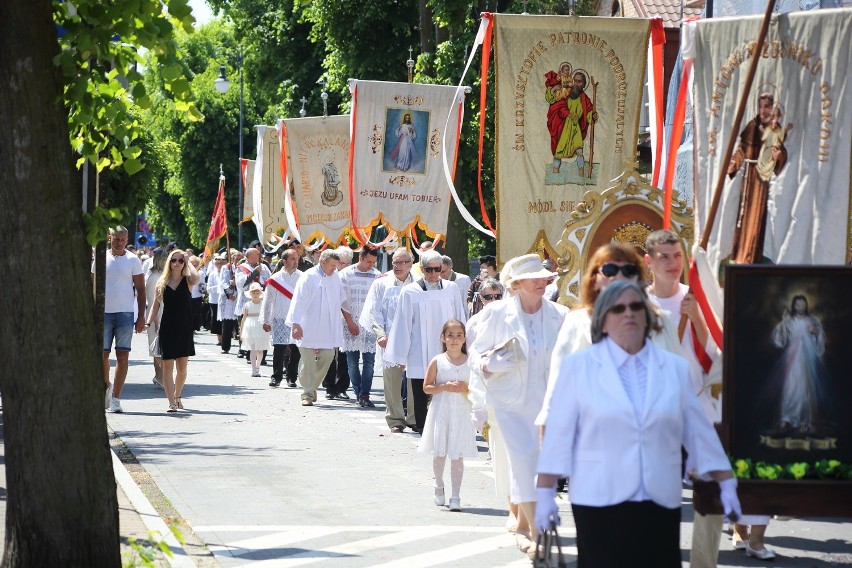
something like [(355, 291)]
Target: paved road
[(266, 482)]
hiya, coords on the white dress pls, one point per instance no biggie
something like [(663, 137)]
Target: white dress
[(449, 430), (253, 336)]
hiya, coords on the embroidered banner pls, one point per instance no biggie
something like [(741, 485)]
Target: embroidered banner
[(786, 198), (247, 171), (318, 175), (569, 92), (268, 188), (397, 139)]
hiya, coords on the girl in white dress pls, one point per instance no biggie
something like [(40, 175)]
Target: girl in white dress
[(254, 338), (449, 430)]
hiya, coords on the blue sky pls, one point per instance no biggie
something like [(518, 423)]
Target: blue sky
[(201, 11)]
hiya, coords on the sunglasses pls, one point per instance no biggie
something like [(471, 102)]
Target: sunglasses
[(431, 269), (178, 260), (610, 269), (490, 297), (621, 308)]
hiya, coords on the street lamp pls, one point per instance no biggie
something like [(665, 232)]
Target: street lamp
[(222, 85)]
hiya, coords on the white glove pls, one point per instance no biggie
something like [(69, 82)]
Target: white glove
[(730, 501), (546, 509), (499, 362), (479, 416)]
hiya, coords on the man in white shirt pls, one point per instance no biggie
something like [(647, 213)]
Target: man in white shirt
[(314, 320), (378, 314), (665, 257), (461, 280), (356, 280), (123, 279), (273, 311), (415, 336)]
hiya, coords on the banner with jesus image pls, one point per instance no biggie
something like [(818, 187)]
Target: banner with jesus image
[(569, 92), (786, 196), (398, 137)]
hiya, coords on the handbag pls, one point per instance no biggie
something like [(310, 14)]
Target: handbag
[(154, 349), (544, 549)]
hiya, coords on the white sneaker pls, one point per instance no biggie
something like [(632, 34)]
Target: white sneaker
[(114, 406), (108, 396)]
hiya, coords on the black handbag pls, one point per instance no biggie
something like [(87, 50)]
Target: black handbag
[(544, 549)]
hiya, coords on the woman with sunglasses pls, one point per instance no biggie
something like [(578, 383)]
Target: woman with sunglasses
[(175, 328), (610, 263), (622, 410), (511, 355)]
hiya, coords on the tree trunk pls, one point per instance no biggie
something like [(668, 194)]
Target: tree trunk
[(427, 28), (456, 245), (61, 502)]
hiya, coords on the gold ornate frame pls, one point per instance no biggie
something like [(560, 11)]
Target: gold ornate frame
[(626, 212)]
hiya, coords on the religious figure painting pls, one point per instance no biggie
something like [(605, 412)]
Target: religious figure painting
[(786, 388), (759, 157), (331, 193), (571, 119), (406, 141)]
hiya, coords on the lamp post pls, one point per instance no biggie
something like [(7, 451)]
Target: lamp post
[(222, 85)]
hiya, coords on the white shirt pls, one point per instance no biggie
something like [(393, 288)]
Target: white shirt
[(119, 290), (633, 372), (275, 303), (316, 306), (356, 285), (711, 406), (415, 337)]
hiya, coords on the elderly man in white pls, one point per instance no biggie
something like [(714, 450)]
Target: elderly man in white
[(425, 305), (276, 303), (314, 320), (378, 314)]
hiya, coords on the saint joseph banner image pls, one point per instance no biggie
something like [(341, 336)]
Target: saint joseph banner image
[(268, 197), (397, 141), (786, 193), (317, 151), (569, 92)]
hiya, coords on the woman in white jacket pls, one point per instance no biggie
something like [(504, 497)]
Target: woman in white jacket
[(514, 340), (620, 413)]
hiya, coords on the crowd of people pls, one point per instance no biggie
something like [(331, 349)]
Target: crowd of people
[(601, 399)]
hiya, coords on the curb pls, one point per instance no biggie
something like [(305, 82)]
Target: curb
[(152, 520)]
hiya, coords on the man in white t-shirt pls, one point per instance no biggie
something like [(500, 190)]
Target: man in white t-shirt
[(665, 258), (123, 281)]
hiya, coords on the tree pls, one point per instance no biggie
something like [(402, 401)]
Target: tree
[(61, 501)]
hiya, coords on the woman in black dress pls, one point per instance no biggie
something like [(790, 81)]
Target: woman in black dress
[(175, 328)]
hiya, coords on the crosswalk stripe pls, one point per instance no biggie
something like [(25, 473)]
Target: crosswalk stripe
[(354, 548), (452, 553)]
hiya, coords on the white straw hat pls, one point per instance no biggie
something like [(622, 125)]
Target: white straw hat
[(526, 267), (254, 286)]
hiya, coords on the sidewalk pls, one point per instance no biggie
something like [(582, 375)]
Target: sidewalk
[(137, 519)]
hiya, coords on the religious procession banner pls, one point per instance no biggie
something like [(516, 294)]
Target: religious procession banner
[(247, 171), (398, 135), (786, 197), (569, 91), (268, 196), (317, 150)]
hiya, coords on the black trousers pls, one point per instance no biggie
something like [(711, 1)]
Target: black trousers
[(336, 379), (285, 359), (421, 403), (215, 325), (633, 533), (228, 327)]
